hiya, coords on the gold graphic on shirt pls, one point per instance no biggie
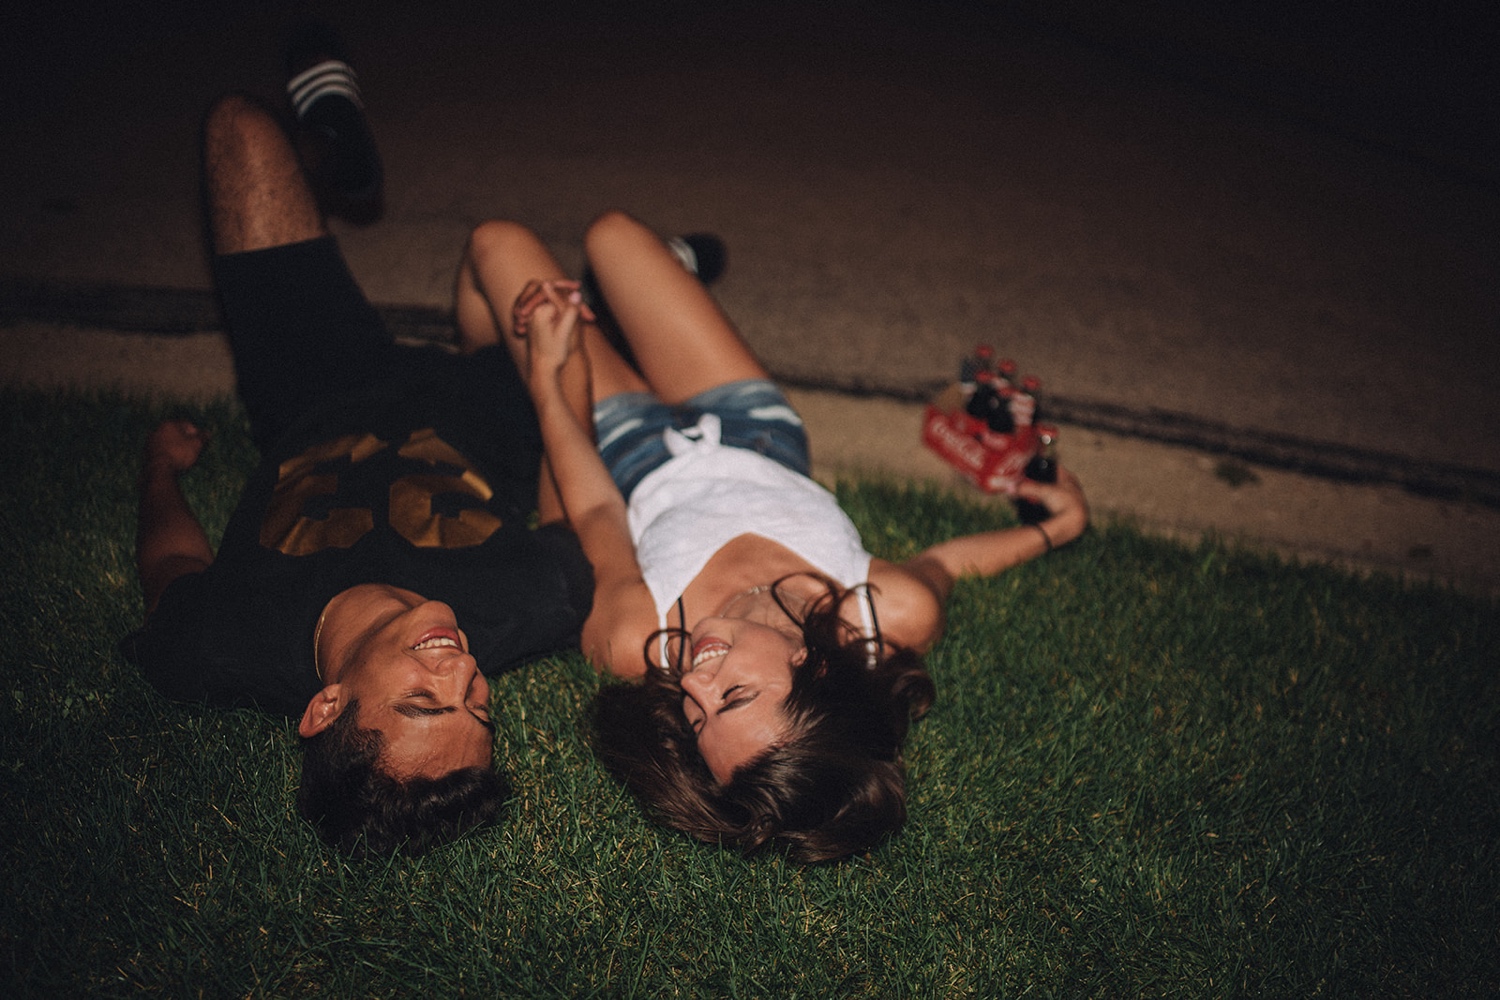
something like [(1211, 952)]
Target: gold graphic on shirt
[(412, 511), (287, 529), (313, 476)]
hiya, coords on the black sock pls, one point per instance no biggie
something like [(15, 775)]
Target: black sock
[(326, 100)]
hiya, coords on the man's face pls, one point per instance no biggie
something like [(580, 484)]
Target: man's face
[(404, 659)]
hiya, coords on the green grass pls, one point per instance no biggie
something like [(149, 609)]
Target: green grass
[(1152, 770)]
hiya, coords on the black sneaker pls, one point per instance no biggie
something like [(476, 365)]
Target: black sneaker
[(703, 254)]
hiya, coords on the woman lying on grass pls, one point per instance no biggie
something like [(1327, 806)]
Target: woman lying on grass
[(780, 663)]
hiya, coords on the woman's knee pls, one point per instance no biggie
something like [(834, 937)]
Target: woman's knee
[(610, 229), (502, 239)]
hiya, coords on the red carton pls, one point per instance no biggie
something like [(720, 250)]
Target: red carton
[(992, 461)]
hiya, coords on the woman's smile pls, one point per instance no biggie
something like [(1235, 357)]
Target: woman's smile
[(708, 648)]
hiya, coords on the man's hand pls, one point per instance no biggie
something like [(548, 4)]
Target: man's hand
[(174, 446), (169, 541)]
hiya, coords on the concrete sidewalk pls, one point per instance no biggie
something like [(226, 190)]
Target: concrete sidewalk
[(1178, 492), (1197, 280)]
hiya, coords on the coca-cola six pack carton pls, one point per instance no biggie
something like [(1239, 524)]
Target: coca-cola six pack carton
[(984, 425)]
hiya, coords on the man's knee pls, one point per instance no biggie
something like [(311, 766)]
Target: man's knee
[(239, 121), (257, 194)]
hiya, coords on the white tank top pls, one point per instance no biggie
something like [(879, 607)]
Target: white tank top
[(709, 494)]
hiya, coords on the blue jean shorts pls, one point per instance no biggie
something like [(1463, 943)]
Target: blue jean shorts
[(753, 413)]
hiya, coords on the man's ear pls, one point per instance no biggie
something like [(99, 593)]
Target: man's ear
[(321, 712)]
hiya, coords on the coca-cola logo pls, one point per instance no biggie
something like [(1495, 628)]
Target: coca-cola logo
[(1009, 470), (958, 445)]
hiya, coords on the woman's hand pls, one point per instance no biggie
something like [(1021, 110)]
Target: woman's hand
[(535, 294), (1067, 508), (546, 315)]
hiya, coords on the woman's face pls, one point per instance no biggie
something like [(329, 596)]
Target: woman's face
[(734, 688)]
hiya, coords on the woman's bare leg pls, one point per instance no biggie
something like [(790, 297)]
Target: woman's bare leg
[(500, 259), (682, 341)]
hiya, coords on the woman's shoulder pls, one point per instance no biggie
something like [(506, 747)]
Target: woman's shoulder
[(909, 611)]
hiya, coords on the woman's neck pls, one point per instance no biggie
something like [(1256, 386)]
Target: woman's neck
[(760, 604)]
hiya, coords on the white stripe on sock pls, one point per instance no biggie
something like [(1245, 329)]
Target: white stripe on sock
[(330, 77), (323, 90)]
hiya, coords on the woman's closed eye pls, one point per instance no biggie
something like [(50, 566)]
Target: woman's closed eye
[(733, 697), (743, 699)]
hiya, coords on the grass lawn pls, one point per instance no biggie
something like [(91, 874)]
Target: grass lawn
[(1151, 770)]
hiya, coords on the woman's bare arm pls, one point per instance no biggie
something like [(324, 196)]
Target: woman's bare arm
[(623, 613), (991, 552)]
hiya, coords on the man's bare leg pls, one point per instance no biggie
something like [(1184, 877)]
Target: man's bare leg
[(258, 196)]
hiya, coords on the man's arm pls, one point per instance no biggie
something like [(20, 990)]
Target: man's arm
[(169, 541)]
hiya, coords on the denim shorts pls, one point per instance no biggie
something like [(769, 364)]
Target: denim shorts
[(753, 413)]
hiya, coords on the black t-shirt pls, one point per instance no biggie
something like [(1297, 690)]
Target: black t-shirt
[(389, 487)]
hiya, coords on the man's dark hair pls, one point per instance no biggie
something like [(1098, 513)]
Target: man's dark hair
[(833, 787), (362, 810)]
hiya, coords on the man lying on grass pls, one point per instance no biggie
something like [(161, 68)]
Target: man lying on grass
[(380, 560)]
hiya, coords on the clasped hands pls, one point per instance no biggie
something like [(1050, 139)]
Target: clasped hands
[(546, 315)]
